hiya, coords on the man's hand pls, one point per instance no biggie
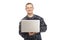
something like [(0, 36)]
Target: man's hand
[(31, 33)]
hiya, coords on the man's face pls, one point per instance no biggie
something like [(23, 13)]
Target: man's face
[(29, 8)]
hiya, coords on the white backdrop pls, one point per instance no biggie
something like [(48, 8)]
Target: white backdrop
[(12, 11)]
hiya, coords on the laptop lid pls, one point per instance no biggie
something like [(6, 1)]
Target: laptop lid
[(30, 26)]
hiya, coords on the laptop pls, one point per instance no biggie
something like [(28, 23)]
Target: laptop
[(30, 26)]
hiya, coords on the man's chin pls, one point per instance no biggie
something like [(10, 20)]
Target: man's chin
[(29, 12)]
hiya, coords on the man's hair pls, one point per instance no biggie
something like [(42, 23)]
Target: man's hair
[(29, 3)]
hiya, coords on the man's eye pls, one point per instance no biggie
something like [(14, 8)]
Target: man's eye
[(30, 7), (27, 7)]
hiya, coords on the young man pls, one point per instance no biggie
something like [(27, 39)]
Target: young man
[(30, 16)]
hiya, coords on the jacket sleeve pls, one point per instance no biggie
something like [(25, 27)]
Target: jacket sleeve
[(23, 34), (43, 26)]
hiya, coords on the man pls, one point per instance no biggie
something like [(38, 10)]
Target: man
[(30, 16)]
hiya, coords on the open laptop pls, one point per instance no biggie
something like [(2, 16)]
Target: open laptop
[(30, 26)]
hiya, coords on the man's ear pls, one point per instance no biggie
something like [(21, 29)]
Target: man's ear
[(33, 8)]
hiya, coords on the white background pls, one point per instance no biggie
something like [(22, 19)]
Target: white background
[(12, 11)]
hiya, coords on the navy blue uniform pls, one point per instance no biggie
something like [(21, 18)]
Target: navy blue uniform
[(37, 36)]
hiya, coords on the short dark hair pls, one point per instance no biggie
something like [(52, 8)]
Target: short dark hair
[(29, 3)]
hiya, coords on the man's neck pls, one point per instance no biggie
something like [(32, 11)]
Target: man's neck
[(30, 15)]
